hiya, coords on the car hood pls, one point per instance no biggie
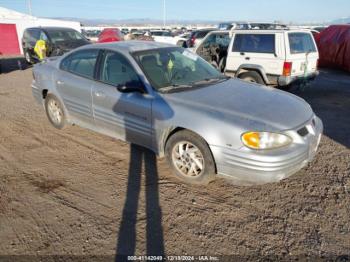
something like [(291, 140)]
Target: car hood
[(264, 107)]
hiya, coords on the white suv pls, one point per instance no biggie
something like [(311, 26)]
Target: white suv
[(272, 57)]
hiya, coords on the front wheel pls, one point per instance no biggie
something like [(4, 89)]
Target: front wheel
[(54, 111), (28, 57), (252, 76), (190, 158), (222, 64)]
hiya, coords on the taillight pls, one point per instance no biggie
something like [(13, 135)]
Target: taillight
[(287, 68), (193, 39)]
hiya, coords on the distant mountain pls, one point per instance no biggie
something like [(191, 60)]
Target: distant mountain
[(136, 22), (345, 20)]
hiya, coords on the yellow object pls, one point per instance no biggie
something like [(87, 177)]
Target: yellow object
[(170, 65), (40, 49), (252, 139)]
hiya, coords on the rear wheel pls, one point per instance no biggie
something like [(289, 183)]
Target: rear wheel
[(54, 111), (190, 158), (28, 57), (252, 77)]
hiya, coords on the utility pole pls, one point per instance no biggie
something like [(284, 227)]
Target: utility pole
[(29, 2), (164, 13)]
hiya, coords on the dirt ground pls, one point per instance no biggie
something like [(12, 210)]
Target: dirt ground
[(77, 193)]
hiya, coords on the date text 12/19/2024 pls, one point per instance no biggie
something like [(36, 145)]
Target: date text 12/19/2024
[(172, 258)]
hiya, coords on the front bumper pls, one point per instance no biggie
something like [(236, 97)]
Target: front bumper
[(288, 80), (259, 167)]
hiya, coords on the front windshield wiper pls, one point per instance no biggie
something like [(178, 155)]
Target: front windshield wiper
[(195, 83), (174, 86), (211, 80)]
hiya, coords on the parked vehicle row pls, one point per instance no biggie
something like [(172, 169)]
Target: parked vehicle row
[(239, 25), (164, 36), (269, 57)]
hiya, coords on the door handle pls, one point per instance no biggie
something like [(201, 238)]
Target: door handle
[(247, 58), (100, 94), (59, 82), (242, 53)]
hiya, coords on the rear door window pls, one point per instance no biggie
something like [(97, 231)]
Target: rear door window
[(81, 63), (117, 71), (254, 43), (301, 43)]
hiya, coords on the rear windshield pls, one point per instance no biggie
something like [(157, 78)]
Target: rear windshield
[(254, 43), (64, 35), (301, 43), (161, 33)]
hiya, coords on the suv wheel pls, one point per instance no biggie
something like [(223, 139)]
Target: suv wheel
[(252, 77), (54, 111), (214, 64), (190, 158), (222, 64), (28, 57)]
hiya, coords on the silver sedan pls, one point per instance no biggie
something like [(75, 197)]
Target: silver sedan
[(171, 101)]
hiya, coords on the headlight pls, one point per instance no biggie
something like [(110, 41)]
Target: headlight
[(265, 140)]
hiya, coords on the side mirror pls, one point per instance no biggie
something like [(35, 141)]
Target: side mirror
[(132, 87)]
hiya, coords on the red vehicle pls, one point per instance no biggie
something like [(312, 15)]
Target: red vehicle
[(110, 35), (334, 47)]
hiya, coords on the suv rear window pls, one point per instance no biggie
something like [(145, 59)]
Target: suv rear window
[(254, 43), (301, 43)]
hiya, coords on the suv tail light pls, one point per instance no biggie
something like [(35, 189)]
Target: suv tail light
[(287, 68), (192, 40)]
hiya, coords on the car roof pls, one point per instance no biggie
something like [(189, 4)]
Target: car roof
[(267, 31), (204, 29), (219, 32), (50, 28), (130, 46)]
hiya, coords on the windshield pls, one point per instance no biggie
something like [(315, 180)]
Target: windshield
[(65, 35), (175, 67)]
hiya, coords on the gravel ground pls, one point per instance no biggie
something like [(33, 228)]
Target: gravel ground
[(77, 193)]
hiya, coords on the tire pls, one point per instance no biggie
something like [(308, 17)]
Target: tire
[(196, 165), (222, 64), (28, 58), (54, 111), (214, 64), (252, 77)]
